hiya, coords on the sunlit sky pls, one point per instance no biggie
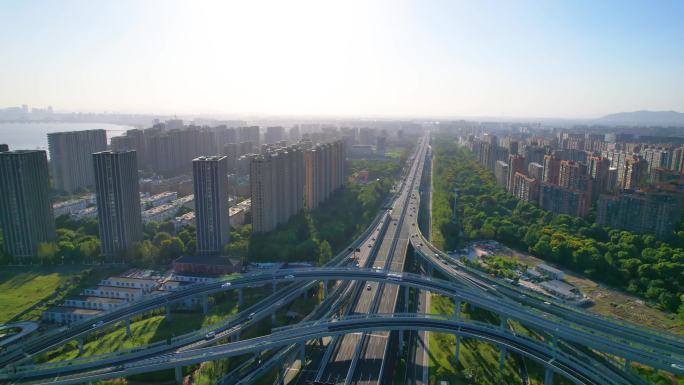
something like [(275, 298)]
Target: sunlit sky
[(344, 58)]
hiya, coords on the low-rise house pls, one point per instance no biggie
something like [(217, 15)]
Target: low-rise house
[(90, 302), (551, 272), (68, 315), (127, 293), (560, 289), (146, 284)]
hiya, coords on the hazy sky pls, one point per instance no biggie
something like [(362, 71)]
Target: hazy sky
[(374, 58)]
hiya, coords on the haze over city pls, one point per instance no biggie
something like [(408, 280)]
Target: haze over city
[(579, 59)]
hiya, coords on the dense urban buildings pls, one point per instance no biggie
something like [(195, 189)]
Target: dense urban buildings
[(25, 209), (118, 201), (635, 186), (210, 176), (70, 157)]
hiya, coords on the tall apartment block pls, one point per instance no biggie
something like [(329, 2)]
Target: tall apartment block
[(25, 209), (516, 163), (641, 212), (249, 134), (285, 179), (277, 187), (501, 173), (274, 134), (118, 201), (525, 188), (210, 177), (324, 171), (551, 169), (561, 200), (70, 157)]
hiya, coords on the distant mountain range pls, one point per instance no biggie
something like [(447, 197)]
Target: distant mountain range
[(646, 118)]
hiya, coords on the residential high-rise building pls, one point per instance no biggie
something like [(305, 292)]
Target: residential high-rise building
[(501, 173), (274, 134), (249, 134), (656, 158), (247, 148), (210, 178), (324, 171), (70, 157), (641, 212), (598, 169), (516, 163), (525, 188), (632, 173), (561, 200), (534, 154), (551, 169), (232, 153), (536, 171), (285, 179), (295, 134), (573, 175), (277, 187), (26, 215), (118, 201)]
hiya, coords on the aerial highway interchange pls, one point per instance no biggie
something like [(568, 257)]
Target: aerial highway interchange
[(364, 313)]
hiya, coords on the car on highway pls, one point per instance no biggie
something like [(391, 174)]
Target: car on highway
[(227, 284), (210, 335), (289, 276), (368, 287), (98, 324), (251, 316)]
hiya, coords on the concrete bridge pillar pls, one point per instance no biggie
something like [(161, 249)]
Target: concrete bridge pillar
[(205, 304), (274, 284), (179, 375), (548, 376), (502, 358), (406, 299), (325, 289), (401, 341), (80, 344), (504, 322), (628, 365), (302, 354), (273, 318), (128, 327), (457, 310), (458, 347), (239, 295), (168, 311)]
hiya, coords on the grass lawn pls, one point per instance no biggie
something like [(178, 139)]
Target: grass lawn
[(479, 361), (22, 287), (146, 330)]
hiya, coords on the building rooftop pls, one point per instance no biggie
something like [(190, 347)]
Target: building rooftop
[(117, 288), (130, 279), (549, 269), (90, 298), (74, 310)]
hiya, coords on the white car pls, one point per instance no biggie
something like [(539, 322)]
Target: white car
[(98, 324), (210, 335), (289, 276), (368, 287), (227, 284)]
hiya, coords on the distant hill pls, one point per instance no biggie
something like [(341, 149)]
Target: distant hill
[(648, 118)]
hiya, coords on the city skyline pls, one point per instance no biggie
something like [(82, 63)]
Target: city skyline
[(495, 59)]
